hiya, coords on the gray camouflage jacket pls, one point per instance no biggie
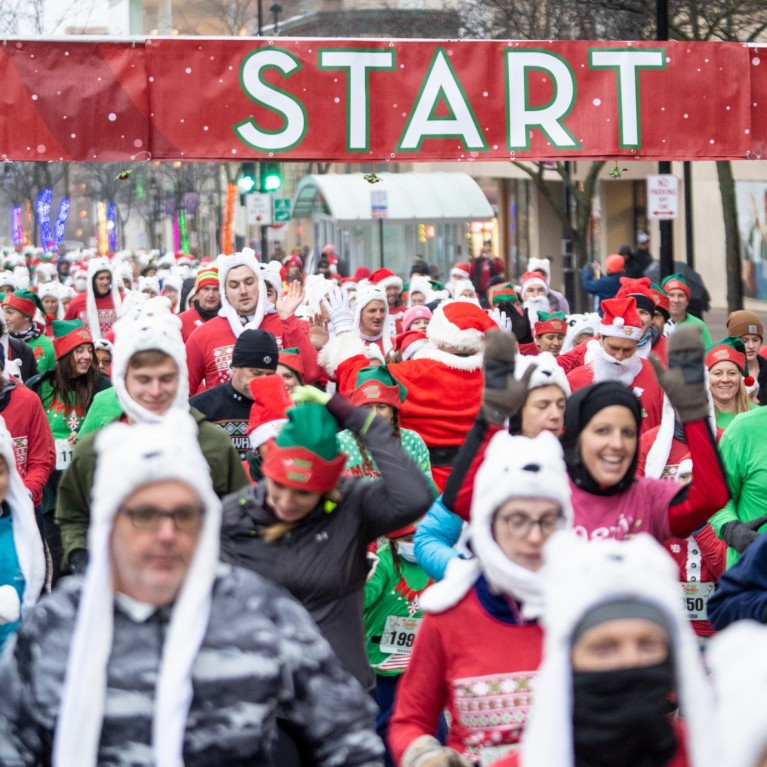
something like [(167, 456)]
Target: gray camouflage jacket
[(261, 656)]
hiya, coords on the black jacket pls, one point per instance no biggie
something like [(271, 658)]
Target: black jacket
[(322, 561), (227, 408), (21, 350)]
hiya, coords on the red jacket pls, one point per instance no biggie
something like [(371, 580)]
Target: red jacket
[(209, 350), (191, 319), (33, 444)]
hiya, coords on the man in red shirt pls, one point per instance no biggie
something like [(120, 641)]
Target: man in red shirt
[(613, 357), (244, 305)]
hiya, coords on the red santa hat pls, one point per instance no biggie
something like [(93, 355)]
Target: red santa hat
[(460, 271), (459, 325), (621, 319), (530, 279), (641, 290), (384, 278), (408, 343), (267, 414)]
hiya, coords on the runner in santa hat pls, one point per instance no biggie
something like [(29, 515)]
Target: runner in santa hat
[(613, 357), (652, 340), (443, 379), (728, 382), (557, 301), (244, 305), (619, 663), (490, 602), (100, 306), (460, 271), (270, 403), (533, 289), (406, 345), (391, 285)]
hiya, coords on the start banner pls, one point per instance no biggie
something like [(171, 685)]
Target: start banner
[(380, 100)]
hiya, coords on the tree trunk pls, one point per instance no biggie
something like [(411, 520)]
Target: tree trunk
[(731, 235)]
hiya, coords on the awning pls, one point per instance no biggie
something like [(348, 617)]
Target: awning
[(409, 197)]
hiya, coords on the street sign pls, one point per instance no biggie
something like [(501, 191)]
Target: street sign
[(663, 196), (282, 209), (259, 208), (379, 203)]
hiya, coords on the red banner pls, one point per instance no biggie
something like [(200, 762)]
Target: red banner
[(377, 101)]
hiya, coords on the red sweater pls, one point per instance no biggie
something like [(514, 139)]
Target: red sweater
[(477, 666), (209, 349), (77, 310), (33, 444), (191, 319)]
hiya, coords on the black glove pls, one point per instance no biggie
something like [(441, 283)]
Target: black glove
[(503, 395), (684, 381), (521, 327), (78, 561), (740, 535)]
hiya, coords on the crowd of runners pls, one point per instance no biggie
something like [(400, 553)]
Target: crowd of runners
[(253, 516)]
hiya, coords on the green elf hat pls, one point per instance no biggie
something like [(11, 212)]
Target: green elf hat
[(503, 292), (67, 335), (305, 454), (730, 349), (376, 384), (551, 322), (676, 282), (24, 301), (291, 358)]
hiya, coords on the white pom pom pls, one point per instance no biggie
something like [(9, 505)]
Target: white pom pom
[(10, 606), (619, 322)]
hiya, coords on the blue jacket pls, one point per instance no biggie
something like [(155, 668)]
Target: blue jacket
[(601, 287), (742, 590), (435, 537)]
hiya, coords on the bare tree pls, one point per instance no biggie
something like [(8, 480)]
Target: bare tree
[(36, 17)]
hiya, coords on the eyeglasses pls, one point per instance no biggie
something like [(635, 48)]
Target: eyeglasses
[(520, 525), (185, 518)]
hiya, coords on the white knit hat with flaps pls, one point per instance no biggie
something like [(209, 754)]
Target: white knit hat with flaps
[(578, 576), (738, 666), (129, 457), (247, 257), (513, 467)]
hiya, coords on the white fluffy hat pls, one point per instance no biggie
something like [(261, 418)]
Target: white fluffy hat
[(96, 265), (738, 666), (127, 458), (155, 327), (513, 467), (546, 372), (247, 257), (540, 265), (578, 576)]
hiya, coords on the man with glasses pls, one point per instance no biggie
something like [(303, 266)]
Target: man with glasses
[(150, 380), (160, 655)]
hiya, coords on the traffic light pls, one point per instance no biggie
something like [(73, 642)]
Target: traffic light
[(247, 180), (271, 177)]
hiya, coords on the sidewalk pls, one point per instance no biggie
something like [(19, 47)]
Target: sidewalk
[(716, 319)]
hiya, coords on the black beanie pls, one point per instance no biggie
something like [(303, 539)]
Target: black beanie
[(581, 408), (255, 349)]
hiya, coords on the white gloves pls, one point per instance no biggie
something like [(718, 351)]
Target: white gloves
[(501, 319), (339, 311)]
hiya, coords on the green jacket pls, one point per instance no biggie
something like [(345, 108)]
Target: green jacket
[(73, 500)]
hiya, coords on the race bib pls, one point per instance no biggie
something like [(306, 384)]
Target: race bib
[(695, 597), (399, 634), (63, 454)]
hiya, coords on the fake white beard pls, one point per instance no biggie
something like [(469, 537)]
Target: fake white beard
[(535, 305), (607, 368)]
